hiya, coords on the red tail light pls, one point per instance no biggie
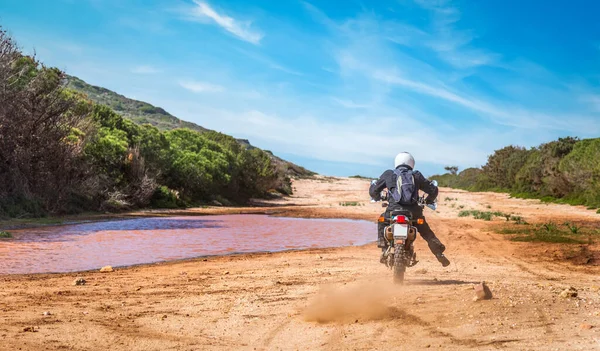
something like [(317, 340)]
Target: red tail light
[(401, 219)]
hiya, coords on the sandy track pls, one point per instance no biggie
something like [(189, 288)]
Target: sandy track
[(324, 299)]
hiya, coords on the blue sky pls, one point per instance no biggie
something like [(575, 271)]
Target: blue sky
[(339, 86)]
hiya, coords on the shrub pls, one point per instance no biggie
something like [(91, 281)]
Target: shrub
[(572, 227), (465, 213), (563, 171), (164, 197)]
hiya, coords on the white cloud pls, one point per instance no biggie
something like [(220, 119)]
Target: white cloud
[(240, 29), (201, 87), (357, 140), (145, 69)]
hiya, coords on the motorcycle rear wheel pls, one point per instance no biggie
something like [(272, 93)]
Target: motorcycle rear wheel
[(399, 266)]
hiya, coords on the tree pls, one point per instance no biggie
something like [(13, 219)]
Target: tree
[(503, 165), (452, 169), (39, 150)]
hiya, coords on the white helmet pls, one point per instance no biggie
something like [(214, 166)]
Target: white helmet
[(404, 158)]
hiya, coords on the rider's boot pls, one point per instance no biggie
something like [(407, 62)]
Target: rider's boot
[(443, 260)]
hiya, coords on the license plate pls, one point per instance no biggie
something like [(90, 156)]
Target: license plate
[(400, 231)]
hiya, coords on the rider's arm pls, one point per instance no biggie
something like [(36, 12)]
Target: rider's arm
[(376, 188), (427, 186)]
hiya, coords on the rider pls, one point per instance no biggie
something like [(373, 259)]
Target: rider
[(406, 198)]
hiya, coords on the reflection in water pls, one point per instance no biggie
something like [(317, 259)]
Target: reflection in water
[(127, 242)]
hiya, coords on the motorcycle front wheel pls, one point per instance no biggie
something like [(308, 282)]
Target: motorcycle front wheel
[(399, 266)]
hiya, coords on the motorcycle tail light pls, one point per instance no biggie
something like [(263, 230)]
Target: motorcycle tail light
[(401, 219), (381, 219), (420, 221)]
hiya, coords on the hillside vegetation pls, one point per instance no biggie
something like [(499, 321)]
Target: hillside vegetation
[(142, 112), (566, 170), (138, 111), (63, 152)]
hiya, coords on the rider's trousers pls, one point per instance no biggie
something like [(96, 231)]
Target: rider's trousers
[(435, 245)]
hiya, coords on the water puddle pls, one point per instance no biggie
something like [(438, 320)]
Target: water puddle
[(146, 240)]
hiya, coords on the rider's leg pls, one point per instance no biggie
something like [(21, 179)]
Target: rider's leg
[(381, 243), (435, 245)]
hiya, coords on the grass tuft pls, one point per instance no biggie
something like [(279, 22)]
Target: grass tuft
[(350, 203), (551, 233)]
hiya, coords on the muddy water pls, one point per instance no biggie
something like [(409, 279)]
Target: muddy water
[(128, 242)]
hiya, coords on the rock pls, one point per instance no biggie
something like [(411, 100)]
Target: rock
[(586, 326), (31, 329), (482, 292), (569, 292), (216, 203), (79, 281), (106, 269), (46, 313)]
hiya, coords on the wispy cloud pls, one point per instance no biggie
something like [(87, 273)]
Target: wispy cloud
[(450, 43), (505, 114), (145, 69), (201, 87), (269, 62), (241, 29), (349, 103)]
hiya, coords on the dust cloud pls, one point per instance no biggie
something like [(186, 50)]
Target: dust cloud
[(362, 301)]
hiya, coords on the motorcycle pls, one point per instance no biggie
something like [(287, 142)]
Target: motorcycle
[(400, 234)]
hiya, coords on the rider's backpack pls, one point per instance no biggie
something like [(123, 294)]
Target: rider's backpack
[(406, 191)]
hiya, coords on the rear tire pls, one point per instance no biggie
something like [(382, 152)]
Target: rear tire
[(399, 267)]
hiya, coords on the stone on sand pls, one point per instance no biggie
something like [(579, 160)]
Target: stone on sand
[(482, 292), (106, 269)]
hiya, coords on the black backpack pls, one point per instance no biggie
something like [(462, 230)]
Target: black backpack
[(406, 191)]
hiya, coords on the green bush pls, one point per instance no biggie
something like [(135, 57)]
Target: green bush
[(464, 213), (21, 207), (5, 235), (164, 197), (563, 171)]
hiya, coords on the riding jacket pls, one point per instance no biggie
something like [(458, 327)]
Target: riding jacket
[(388, 180)]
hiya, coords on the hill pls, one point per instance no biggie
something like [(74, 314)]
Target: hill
[(141, 112), (138, 111)]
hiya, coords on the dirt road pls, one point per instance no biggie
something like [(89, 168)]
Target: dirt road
[(330, 299)]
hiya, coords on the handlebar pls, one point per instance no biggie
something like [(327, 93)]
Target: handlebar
[(421, 202)]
